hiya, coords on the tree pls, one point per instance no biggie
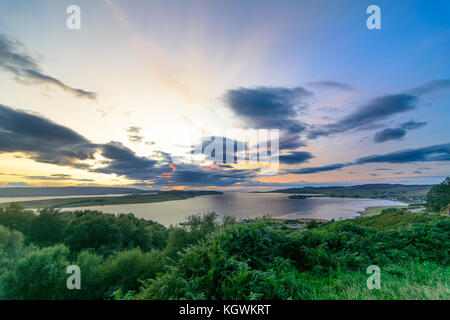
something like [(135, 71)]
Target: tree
[(39, 275), (438, 198)]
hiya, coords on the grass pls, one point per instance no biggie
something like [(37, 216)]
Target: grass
[(409, 281), (374, 211), (392, 218)]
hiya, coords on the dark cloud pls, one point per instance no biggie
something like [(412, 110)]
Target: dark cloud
[(291, 142), (45, 141), (15, 60), (397, 133), (368, 115), (269, 107), (432, 153), (381, 108), (222, 148), (412, 125), (41, 139), (310, 170), (122, 161), (195, 176), (389, 134), (295, 157), (331, 85)]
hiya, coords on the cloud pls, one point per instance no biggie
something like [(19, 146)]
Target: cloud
[(389, 134), (41, 139), (57, 177), (310, 170), (397, 133), (16, 184), (295, 157), (122, 161), (13, 59), (135, 138), (45, 141), (134, 129), (369, 114), (381, 108), (331, 85), (291, 142), (412, 125), (431, 86), (188, 174), (269, 107), (432, 153)]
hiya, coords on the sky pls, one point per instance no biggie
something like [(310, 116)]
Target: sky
[(122, 100)]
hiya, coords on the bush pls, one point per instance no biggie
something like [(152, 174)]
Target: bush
[(39, 275), (438, 198)]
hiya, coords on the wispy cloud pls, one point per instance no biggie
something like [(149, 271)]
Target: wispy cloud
[(426, 154), (26, 69), (368, 115), (327, 84), (371, 114)]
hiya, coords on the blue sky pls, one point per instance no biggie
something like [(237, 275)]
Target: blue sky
[(170, 68)]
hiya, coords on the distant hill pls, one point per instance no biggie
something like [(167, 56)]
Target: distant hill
[(112, 200), (65, 191), (407, 193)]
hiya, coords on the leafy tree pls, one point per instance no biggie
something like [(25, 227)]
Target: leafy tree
[(196, 229), (49, 226), (15, 217), (39, 275), (438, 198)]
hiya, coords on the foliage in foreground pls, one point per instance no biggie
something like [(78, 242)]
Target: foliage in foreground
[(438, 198), (128, 258), (254, 261)]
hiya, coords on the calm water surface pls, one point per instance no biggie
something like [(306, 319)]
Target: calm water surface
[(247, 205)]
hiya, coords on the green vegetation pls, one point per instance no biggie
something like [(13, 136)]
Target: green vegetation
[(374, 211), (255, 261), (405, 193), (102, 201), (122, 257), (298, 196), (438, 198)]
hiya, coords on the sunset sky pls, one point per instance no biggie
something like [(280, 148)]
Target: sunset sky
[(120, 101)]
